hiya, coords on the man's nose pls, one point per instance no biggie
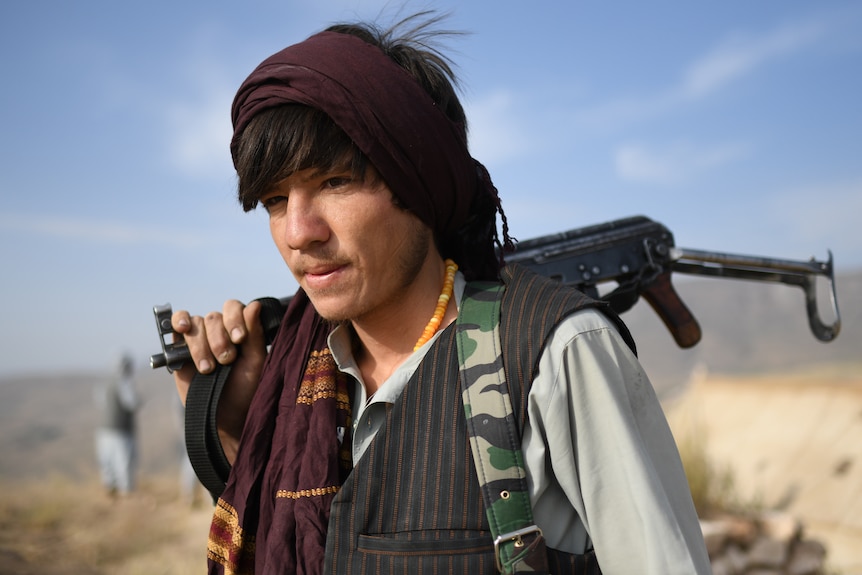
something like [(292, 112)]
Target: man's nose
[(305, 223)]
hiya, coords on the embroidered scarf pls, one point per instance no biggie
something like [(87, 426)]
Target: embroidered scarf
[(293, 456)]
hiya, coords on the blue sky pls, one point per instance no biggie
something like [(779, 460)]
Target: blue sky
[(737, 124)]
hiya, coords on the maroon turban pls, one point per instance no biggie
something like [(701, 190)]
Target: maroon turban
[(417, 149)]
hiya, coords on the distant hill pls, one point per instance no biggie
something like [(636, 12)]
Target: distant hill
[(47, 421), (748, 327)]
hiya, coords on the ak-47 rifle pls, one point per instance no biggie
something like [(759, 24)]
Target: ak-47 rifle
[(636, 253), (639, 255)]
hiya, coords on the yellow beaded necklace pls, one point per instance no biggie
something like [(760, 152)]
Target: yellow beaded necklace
[(442, 304)]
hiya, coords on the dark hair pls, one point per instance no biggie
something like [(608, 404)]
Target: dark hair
[(286, 139), (282, 140)]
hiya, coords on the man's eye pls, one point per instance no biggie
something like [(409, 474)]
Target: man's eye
[(272, 201), (336, 182)]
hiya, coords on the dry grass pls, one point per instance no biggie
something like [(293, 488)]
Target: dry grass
[(785, 441), (713, 486), (56, 527)]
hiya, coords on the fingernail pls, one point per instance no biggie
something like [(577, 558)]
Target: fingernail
[(183, 323), (205, 365), (236, 335)]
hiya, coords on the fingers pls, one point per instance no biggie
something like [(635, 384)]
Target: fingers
[(213, 338), (181, 324), (253, 344), (235, 323), (240, 388), (217, 338)]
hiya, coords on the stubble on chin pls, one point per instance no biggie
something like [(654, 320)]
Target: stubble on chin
[(334, 314), (406, 268)]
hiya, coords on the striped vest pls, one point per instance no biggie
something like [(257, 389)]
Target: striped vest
[(412, 503)]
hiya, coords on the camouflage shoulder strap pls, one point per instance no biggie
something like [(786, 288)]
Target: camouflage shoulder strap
[(519, 546)]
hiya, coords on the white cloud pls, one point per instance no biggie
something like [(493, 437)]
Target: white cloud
[(200, 133), (495, 135), (97, 230), (741, 55), (674, 164), (729, 61), (196, 111)]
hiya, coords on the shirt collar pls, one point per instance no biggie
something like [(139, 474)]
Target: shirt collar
[(340, 344)]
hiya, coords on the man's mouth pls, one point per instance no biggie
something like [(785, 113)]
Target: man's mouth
[(320, 276)]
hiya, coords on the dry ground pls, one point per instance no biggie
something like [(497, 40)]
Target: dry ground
[(56, 527), (792, 442)]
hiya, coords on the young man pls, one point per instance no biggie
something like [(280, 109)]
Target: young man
[(348, 440)]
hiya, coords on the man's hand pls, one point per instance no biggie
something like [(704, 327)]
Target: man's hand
[(234, 336)]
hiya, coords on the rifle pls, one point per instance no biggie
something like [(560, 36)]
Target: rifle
[(639, 254), (636, 253)]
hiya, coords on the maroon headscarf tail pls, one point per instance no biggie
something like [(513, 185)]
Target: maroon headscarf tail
[(418, 150), (273, 514)]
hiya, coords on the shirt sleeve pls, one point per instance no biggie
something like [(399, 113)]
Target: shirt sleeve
[(602, 465)]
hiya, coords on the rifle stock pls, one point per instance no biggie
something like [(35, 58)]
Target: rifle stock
[(802, 274)]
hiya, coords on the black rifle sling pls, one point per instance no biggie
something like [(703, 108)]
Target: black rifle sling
[(202, 441)]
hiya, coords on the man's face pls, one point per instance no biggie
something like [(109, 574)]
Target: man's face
[(351, 249)]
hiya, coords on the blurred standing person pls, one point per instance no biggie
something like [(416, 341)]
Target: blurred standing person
[(116, 442)]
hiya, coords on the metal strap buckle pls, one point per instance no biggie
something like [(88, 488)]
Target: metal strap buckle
[(516, 536)]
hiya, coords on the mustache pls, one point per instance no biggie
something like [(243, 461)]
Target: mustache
[(319, 260)]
